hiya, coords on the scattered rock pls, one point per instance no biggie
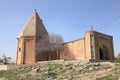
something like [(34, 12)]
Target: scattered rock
[(91, 68), (97, 64), (118, 70), (96, 68), (70, 68), (36, 70), (118, 78), (2, 79)]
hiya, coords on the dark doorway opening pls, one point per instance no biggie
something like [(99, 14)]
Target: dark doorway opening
[(103, 53)]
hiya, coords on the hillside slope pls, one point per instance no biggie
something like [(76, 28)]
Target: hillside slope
[(64, 70)]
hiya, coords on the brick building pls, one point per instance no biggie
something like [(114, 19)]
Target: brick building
[(28, 38), (94, 46)]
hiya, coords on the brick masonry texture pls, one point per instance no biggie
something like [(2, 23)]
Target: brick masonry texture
[(94, 46)]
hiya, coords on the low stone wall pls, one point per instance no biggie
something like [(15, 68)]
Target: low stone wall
[(8, 67), (64, 62)]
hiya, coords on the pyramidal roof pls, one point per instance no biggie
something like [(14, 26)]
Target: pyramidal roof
[(34, 26)]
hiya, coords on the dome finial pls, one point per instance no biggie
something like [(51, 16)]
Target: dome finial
[(91, 27), (35, 10)]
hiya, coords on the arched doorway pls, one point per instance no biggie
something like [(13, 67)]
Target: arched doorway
[(103, 53)]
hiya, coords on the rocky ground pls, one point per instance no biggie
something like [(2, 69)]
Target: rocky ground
[(64, 70)]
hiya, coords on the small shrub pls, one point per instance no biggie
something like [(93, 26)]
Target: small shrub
[(51, 74)]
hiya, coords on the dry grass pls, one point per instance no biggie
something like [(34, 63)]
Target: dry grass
[(63, 71)]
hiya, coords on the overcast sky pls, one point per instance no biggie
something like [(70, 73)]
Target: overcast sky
[(70, 18)]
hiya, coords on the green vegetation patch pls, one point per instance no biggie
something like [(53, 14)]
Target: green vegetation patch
[(14, 74), (51, 71)]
